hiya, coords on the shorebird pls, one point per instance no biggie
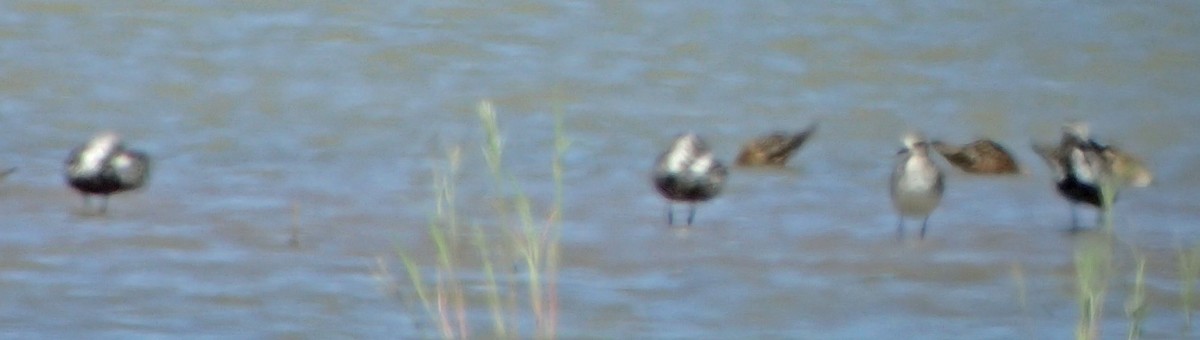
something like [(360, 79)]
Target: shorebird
[(1127, 169), (916, 183), (104, 166), (1081, 167), (773, 149), (982, 156), (688, 173)]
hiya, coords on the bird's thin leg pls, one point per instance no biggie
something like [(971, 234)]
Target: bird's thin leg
[(87, 202), (691, 213), (924, 224), (103, 204), (1074, 218), (670, 214), (900, 228)]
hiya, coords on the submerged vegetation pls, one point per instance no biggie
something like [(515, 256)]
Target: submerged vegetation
[(1096, 265), (1189, 270), (516, 261), (1098, 262), (1093, 268)]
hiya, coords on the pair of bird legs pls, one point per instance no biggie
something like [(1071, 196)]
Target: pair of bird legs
[(900, 227), (671, 213), (1075, 228), (87, 205)]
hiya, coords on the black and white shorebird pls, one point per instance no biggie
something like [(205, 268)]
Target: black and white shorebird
[(1082, 166), (774, 149), (916, 183), (688, 173), (104, 166)]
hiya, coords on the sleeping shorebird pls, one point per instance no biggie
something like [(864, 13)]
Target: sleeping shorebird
[(982, 156), (916, 183), (104, 167), (773, 149), (688, 173), (1081, 167), (1127, 169)]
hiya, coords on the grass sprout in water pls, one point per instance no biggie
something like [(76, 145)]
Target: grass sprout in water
[(532, 243), (1093, 267), (1189, 271), (1136, 307)]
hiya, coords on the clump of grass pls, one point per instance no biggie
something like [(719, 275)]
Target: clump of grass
[(1094, 264), (536, 243), (532, 243), (1093, 267), (1108, 196), (1189, 270), (1136, 307), (445, 302)]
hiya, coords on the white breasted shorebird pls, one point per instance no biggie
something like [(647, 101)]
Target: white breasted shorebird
[(688, 173), (982, 156), (916, 183), (1082, 166), (104, 166), (774, 149)]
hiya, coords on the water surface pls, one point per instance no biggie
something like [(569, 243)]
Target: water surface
[(333, 117)]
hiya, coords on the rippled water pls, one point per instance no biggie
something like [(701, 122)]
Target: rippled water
[(332, 117)]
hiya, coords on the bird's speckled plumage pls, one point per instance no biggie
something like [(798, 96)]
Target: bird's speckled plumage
[(1080, 165), (104, 166), (774, 149), (982, 156), (688, 173)]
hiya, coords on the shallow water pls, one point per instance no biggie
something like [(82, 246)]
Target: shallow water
[(332, 117)]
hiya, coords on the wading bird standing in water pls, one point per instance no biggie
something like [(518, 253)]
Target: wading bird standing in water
[(688, 173), (774, 149), (916, 183), (982, 156), (103, 167), (1081, 167)]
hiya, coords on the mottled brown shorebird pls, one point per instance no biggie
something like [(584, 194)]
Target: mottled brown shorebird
[(774, 149), (1081, 166), (1127, 169), (104, 166), (982, 156), (916, 183), (688, 173)]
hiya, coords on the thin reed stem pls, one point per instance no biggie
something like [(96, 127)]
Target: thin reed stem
[(534, 244)]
